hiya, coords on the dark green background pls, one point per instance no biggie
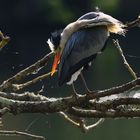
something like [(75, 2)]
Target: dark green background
[(29, 23)]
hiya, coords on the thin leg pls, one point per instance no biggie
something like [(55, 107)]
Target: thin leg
[(74, 90), (85, 84)]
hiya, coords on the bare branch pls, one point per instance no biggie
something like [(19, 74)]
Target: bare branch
[(41, 104), (7, 85), (117, 89), (116, 42), (80, 123), (33, 81), (114, 103), (70, 101), (27, 96), (62, 104), (69, 119), (135, 23), (86, 128), (105, 114), (4, 40), (18, 133), (3, 111), (100, 121)]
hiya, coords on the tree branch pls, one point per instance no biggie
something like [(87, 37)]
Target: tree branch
[(4, 40), (18, 87), (18, 133), (117, 89), (26, 96), (116, 42), (135, 23), (8, 84), (61, 104), (105, 114)]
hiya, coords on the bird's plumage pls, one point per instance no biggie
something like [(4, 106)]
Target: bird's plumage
[(89, 15), (80, 49), (81, 41)]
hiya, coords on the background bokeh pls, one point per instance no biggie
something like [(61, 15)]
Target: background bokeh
[(29, 24)]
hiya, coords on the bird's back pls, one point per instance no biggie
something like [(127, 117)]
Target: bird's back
[(80, 49)]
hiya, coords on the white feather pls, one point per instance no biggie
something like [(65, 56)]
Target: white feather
[(51, 46), (74, 76)]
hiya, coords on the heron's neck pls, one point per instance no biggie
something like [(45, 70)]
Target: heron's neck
[(65, 35)]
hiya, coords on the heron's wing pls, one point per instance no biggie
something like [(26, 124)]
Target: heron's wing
[(79, 50), (93, 19), (89, 15)]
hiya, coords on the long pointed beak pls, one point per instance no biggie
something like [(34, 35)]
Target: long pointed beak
[(55, 62)]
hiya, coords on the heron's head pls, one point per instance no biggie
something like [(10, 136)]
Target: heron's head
[(54, 41), (54, 45)]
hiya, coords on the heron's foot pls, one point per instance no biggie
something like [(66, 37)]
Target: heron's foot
[(90, 93), (75, 96)]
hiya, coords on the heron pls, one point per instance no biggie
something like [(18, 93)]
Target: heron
[(77, 45)]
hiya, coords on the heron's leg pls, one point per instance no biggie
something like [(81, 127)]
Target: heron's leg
[(74, 90), (85, 84)]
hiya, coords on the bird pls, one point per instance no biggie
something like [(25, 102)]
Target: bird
[(77, 45)]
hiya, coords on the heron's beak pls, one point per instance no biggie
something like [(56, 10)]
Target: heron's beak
[(55, 62)]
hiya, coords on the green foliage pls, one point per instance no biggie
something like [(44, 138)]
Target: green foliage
[(58, 12)]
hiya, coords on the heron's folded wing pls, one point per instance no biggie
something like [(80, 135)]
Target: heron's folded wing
[(80, 47)]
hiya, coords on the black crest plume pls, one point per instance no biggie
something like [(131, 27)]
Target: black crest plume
[(55, 38)]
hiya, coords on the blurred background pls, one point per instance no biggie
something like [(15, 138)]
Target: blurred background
[(29, 24)]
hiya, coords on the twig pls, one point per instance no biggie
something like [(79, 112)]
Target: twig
[(86, 128), (18, 133), (33, 81), (3, 111), (69, 119), (116, 90), (116, 42), (7, 85), (31, 124), (135, 23), (27, 96), (100, 121), (80, 123), (4, 40)]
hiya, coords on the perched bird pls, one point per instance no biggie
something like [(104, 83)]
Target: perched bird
[(78, 44)]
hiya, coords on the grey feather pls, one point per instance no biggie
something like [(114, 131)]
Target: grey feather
[(89, 15), (81, 45)]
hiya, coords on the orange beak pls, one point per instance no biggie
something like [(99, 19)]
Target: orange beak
[(55, 62)]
